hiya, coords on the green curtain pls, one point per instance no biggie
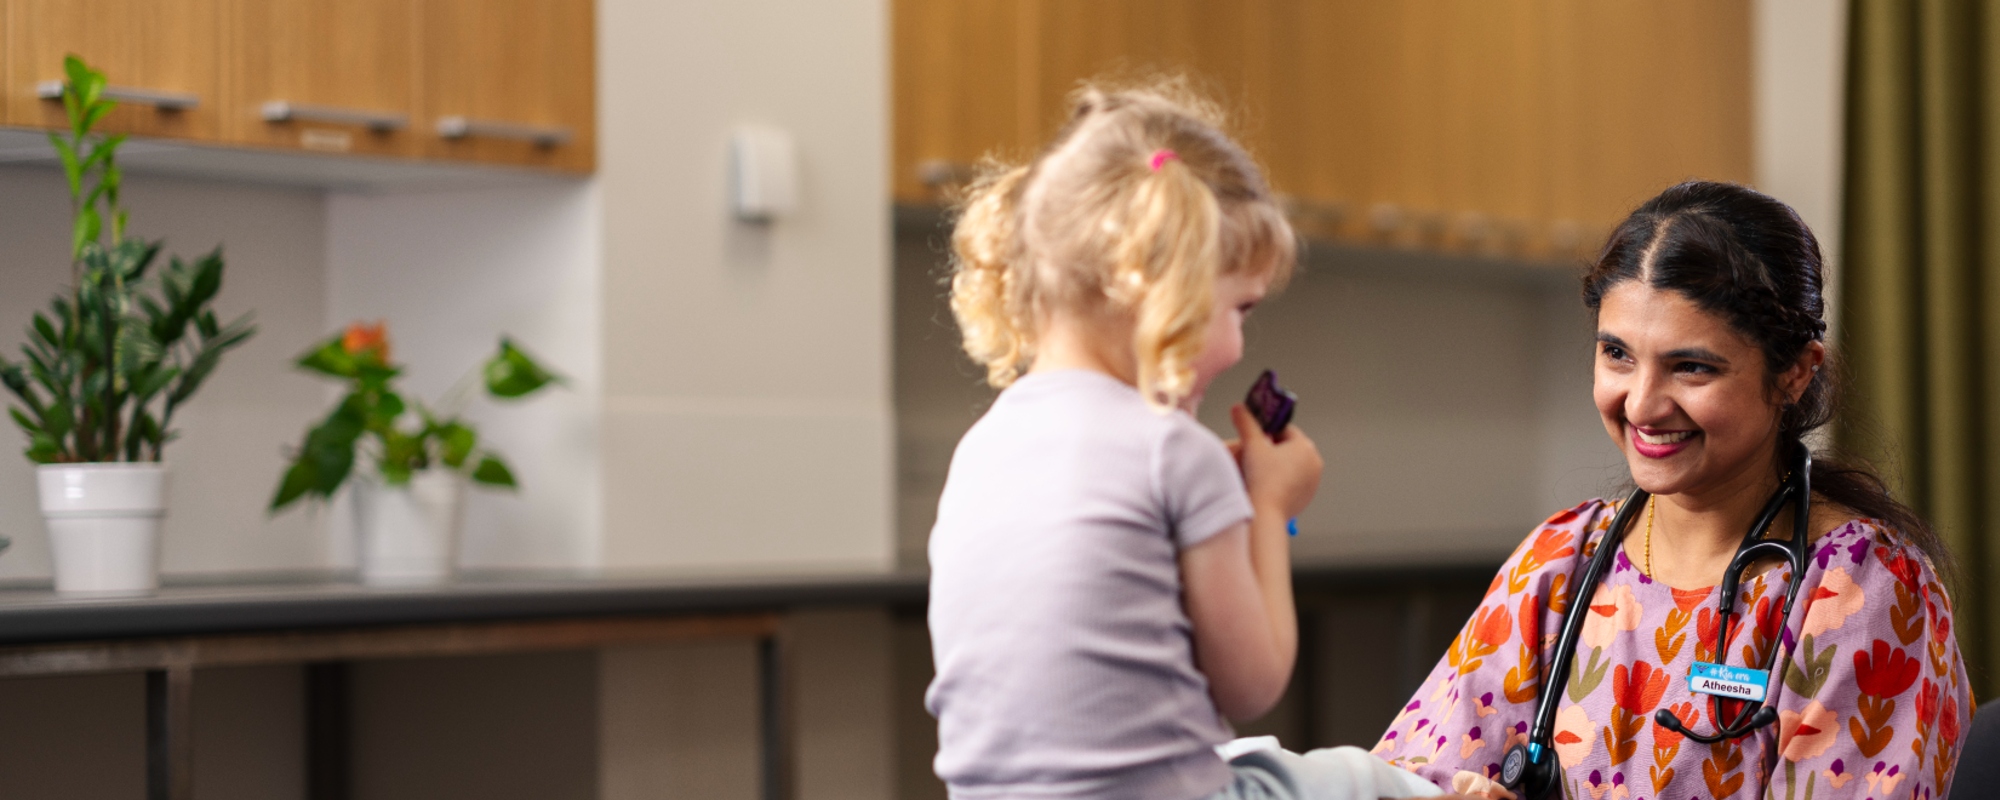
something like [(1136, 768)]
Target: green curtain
[(1920, 282)]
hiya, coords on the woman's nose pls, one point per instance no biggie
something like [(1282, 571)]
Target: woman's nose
[(1649, 400)]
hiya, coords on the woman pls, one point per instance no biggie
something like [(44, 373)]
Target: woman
[(1710, 366)]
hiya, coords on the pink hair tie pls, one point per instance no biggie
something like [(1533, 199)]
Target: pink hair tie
[(1162, 156)]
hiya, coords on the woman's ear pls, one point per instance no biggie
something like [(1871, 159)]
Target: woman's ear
[(1800, 374)]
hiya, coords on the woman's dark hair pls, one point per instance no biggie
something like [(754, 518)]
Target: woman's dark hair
[(1746, 257)]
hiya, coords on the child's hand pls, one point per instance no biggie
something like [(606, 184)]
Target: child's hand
[(1281, 476)]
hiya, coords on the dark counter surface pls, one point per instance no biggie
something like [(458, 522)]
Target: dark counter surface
[(33, 616)]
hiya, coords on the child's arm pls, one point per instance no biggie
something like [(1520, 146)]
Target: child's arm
[(1239, 582)]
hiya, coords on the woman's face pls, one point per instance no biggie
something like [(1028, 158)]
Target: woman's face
[(1235, 294), (1683, 394)]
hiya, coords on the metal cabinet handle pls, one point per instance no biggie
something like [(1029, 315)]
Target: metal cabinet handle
[(461, 127), (286, 111), (164, 101)]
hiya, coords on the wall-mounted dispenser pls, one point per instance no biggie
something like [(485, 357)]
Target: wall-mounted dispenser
[(763, 173)]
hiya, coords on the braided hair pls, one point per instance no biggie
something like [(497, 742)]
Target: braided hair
[(1746, 257)]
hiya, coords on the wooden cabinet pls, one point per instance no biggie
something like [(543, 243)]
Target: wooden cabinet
[(160, 55), (511, 81), (507, 82), (1510, 127), (330, 75)]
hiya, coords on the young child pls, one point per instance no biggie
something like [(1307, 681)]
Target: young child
[(1109, 582)]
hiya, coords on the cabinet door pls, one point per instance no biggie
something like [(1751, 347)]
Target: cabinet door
[(156, 50), (334, 75), (509, 82), (957, 91)]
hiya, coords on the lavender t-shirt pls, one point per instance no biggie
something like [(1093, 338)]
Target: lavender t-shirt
[(1065, 663)]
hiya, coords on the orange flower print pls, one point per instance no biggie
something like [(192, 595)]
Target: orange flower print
[(1550, 544), (1687, 714), (1832, 602), (1948, 723), (1490, 628), (1638, 689), (1886, 671), (1575, 736), (1837, 774), (1803, 735), (1614, 609), (362, 339)]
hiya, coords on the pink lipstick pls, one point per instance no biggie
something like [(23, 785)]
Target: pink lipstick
[(1655, 443)]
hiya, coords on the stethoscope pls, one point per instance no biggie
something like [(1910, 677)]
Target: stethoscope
[(1530, 769)]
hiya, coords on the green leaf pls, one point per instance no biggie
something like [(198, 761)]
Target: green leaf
[(58, 421), (388, 408), (299, 479), (207, 279), (43, 450), (84, 230), (28, 426), (329, 358), (458, 441), (511, 373), (396, 473), (493, 473), (66, 152)]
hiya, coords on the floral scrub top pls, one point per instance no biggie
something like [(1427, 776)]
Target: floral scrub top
[(1873, 700)]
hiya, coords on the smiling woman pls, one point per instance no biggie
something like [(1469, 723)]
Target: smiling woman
[(1710, 366)]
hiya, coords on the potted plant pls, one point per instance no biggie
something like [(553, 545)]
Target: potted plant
[(411, 489), (107, 366)]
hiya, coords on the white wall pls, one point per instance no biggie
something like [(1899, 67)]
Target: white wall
[(230, 454), (747, 413)]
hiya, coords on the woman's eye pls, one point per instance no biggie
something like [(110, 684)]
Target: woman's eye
[(1694, 368), (1614, 352)]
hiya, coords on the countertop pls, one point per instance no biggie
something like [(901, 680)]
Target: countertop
[(36, 616)]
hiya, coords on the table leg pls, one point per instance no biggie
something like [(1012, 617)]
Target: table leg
[(775, 740), (170, 733), (328, 720)]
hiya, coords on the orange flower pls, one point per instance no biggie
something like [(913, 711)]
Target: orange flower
[(1638, 690), (1884, 671), (362, 339), (1683, 711), (1491, 624)]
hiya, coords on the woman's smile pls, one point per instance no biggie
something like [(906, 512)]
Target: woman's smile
[(1658, 443)]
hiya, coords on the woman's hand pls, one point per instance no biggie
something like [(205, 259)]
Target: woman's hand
[(1282, 476)]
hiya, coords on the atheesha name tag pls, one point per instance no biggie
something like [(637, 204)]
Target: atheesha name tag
[(1723, 680)]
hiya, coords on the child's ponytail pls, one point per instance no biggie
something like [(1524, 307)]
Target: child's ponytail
[(1171, 250), (987, 298)]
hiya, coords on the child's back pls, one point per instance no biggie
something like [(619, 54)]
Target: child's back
[(1063, 653), (1109, 582)]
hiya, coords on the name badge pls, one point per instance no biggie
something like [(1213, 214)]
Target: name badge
[(1722, 680)]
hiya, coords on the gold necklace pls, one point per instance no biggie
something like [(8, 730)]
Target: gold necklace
[(1650, 505), (1653, 503)]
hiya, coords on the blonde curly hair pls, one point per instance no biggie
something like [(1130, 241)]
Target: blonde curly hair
[(1135, 209)]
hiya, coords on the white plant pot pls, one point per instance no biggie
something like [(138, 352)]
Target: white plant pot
[(104, 525), (409, 534)]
